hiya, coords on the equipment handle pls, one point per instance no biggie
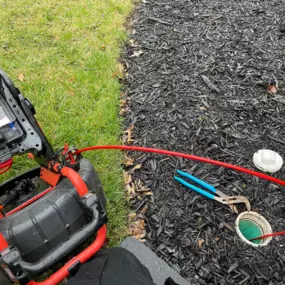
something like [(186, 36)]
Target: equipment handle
[(82, 257), (58, 252), (196, 189), (198, 181)]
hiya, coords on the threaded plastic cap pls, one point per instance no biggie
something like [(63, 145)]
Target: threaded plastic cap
[(267, 160)]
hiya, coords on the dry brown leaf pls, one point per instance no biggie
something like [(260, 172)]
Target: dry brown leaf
[(132, 216), (133, 43), (127, 178), (127, 137), (140, 187), (139, 235), (149, 193), (131, 190), (138, 166), (21, 77), (123, 103), (137, 229), (124, 106), (144, 209), (200, 242), (137, 53), (128, 161), (217, 238), (139, 198), (141, 224)]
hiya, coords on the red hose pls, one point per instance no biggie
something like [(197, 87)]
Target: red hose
[(6, 165), (269, 235), (187, 156), (76, 180)]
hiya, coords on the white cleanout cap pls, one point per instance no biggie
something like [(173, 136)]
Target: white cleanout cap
[(267, 160)]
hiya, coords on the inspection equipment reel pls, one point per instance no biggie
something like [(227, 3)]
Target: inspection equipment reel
[(49, 211)]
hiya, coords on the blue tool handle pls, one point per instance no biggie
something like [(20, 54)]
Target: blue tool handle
[(198, 181), (196, 189)]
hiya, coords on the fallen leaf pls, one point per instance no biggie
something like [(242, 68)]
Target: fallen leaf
[(272, 87), (127, 137), (140, 187), (123, 103), (131, 190), (124, 106), (200, 242), (138, 166), (132, 216), (128, 161), (217, 238), (133, 43), (144, 209), (21, 77), (137, 229), (139, 198), (127, 178), (137, 53)]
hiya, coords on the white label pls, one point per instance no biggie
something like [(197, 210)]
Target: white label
[(4, 120)]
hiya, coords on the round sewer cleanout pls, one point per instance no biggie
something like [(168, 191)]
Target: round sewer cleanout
[(250, 225)]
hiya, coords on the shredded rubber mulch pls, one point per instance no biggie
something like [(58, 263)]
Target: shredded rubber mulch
[(197, 73)]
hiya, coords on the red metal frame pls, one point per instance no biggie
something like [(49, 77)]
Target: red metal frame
[(3, 243), (6, 165), (82, 257), (49, 177)]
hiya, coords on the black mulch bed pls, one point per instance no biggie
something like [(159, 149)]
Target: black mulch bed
[(199, 87)]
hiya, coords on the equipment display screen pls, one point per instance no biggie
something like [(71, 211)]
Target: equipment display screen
[(4, 120)]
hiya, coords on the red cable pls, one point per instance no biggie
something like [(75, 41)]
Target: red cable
[(197, 158), (187, 156), (269, 235), (76, 180), (6, 165)]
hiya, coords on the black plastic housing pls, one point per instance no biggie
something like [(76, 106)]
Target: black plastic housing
[(44, 232)]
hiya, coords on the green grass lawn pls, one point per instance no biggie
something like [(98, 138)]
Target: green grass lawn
[(66, 51)]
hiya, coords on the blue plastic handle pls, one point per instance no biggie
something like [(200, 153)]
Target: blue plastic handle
[(198, 181), (196, 189)]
